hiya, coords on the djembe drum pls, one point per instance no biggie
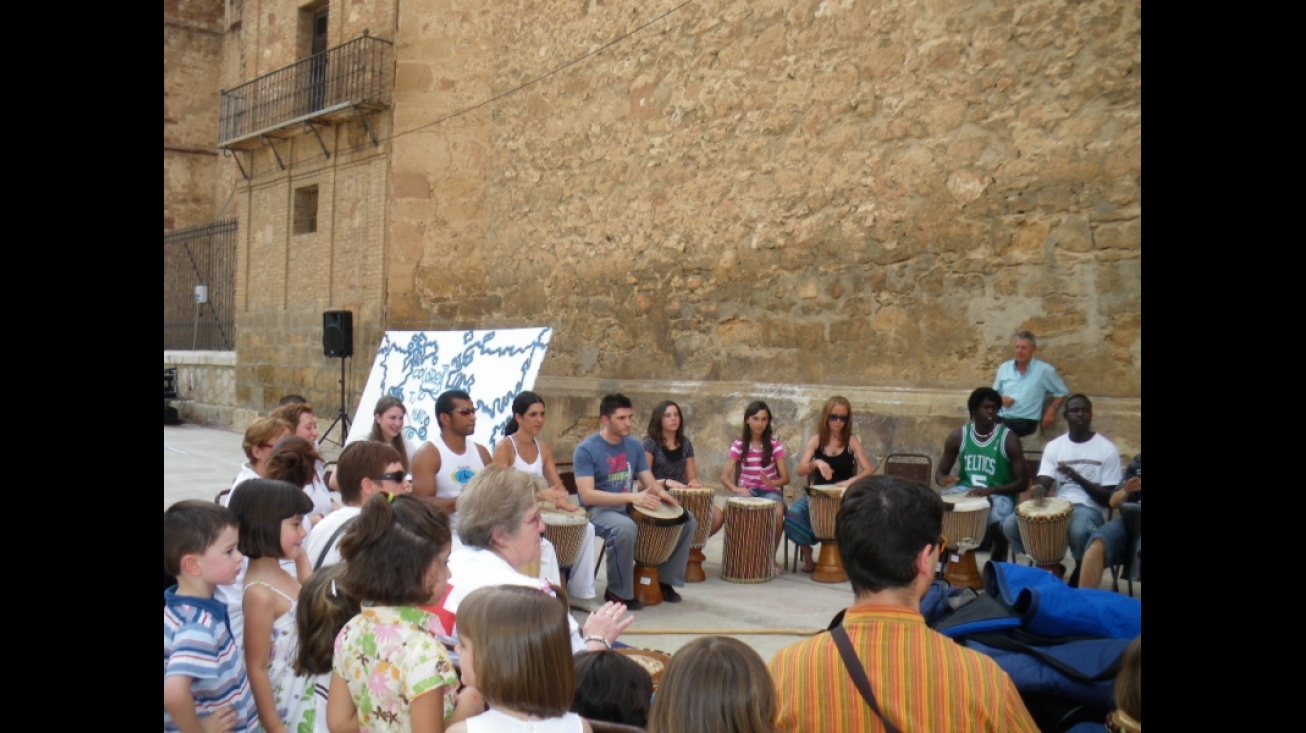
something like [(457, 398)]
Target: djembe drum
[(750, 531), (964, 522), (698, 502), (823, 506), (653, 661), (1043, 531), (656, 533), (566, 530)]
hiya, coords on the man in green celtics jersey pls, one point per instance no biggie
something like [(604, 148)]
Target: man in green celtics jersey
[(990, 461)]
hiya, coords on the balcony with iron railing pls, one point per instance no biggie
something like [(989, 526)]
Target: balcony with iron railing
[(330, 85)]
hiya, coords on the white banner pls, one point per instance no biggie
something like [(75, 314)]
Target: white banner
[(416, 366)]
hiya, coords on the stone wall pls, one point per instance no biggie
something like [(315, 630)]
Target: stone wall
[(206, 388), (192, 50), (790, 192), (826, 196)]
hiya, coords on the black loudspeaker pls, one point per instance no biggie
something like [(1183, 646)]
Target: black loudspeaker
[(338, 334)]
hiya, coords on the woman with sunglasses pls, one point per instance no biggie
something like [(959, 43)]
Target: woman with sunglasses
[(832, 456)]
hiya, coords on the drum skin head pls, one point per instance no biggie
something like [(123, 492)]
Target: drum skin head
[(830, 490), (665, 514), (563, 519), (749, 501), (1051, 507), (963, 503)]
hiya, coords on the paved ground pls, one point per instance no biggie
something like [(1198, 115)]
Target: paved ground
[(199, 462)]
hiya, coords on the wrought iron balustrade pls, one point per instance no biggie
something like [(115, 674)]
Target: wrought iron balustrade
[(352, 74)]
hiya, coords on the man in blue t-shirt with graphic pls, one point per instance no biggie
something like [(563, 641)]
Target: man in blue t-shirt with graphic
[(607, 465)]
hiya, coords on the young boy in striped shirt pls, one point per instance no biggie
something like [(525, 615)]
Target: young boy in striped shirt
[(204, 683)]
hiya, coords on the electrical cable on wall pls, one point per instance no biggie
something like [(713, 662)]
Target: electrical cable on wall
[(491, 100)]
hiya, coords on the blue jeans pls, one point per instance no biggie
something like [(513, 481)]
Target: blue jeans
[(619, 531), (1002, 506), (1084, 521), (1115, 540)]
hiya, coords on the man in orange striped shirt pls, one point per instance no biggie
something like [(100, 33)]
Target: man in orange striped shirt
[(889, 538)]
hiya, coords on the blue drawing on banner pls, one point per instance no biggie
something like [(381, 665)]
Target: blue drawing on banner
[(412, 367), (419, 427)]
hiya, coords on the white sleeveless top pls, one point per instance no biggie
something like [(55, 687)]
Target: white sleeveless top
[(455, 470), (536, 468), (493, 721)]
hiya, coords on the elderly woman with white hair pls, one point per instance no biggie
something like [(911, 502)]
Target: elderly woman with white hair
[(500, 526)]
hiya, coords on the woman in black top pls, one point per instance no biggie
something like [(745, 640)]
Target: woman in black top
[(833, 456)]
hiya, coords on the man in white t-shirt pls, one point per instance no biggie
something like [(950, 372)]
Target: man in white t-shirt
[(365, 468), (1082, 467)]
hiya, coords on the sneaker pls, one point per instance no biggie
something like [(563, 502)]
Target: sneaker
[(669, 594), (633, 604)]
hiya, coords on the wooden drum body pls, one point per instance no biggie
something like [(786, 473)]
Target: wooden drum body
[(823, 506), (964, 524), (750, 528), (657, 532), (1044, 526), (566, 530), (697, 502)]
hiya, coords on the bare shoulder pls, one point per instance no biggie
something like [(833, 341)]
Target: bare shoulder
[(427, 454), (545, 450), (503, 452)]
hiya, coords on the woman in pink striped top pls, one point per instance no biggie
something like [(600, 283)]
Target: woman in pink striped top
[(759, 462)]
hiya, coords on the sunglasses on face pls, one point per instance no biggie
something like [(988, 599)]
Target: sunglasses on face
[(395, 476), (465, 411), (839, 418)]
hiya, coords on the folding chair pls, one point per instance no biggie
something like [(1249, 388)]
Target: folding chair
[(911, 466), (1132, 515)]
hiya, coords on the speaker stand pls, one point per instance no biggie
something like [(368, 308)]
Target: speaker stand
[(342, 417)]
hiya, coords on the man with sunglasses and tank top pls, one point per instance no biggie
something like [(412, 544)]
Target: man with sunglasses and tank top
[(444, 465)]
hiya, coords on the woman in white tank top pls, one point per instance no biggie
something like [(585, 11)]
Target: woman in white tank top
[(523, 450)]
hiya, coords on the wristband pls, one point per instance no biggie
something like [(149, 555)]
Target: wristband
[(600, 640)]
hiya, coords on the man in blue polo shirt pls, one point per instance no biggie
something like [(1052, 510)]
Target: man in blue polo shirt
[(1024, 383)]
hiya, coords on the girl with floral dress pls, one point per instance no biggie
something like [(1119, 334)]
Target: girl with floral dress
[(390, 671)]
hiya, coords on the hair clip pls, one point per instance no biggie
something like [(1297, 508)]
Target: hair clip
[(333, 588), (390, 496)]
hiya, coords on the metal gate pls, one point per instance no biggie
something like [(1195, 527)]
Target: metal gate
[(199, 287)]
